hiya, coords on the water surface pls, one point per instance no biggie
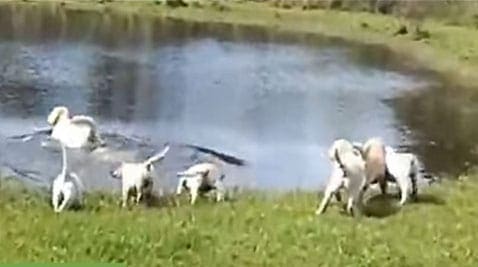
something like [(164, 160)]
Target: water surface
[(275, 99)]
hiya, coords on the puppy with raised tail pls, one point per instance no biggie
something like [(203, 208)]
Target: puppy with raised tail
[(202, 178), (348, 171), (67, 189), (137, 177)]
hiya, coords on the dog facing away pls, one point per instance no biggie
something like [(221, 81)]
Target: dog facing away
[(348, 171), (76, 132), (202, 178), (373, 152), (137, 177), (404, 169), (67, 189)]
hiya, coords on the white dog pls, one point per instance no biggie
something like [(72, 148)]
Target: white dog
[(137, 177), (78, 131), (67, 189), (201, 178), (403, 167), (348, 171)]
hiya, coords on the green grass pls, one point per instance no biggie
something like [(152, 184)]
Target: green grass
[(451, 50), (257, 229)]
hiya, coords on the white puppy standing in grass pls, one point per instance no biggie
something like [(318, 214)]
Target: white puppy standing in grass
[(76, 132), (137, 177), (67, 189), (373, 152), (348, 171), (403, 167), (202, 178)]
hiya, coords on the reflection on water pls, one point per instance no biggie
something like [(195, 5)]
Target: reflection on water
[(276, 99)]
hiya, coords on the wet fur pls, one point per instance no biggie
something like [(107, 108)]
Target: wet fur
[(76, 132)]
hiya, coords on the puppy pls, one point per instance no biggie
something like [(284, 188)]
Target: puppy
[(76, 132), (403, 167), (373, 152), (137, 177), (67, 189), (202, 178), (348, 171)]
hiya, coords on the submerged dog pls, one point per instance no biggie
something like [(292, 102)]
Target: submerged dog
[(76, 132), (67, 189), (137, 177)]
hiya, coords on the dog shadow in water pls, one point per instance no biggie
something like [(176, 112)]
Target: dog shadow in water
[(381, 206)]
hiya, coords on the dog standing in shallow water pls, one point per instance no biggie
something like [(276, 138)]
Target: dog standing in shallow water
[(76, 132), (67, 189), (137, 177), (201, 178)]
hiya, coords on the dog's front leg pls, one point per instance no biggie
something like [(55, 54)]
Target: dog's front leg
[(124, 197), (331, 189)]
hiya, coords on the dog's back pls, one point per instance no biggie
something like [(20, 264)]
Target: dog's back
[(374, 155)]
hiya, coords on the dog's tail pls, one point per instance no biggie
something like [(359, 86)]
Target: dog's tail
[(222, 156), (159, 156)]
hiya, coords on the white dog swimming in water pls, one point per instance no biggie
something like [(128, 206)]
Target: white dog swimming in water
[(348, 171), (202, 178), (137, 177), (76, 132), (67, 189)]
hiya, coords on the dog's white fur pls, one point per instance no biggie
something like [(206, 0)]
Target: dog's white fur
[(67, 189), (405, 170), (201, 178), (137, 177), (76, 132), (348, 171)]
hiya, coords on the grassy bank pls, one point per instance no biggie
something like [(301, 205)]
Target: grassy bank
[(440, 45), (253, 230)]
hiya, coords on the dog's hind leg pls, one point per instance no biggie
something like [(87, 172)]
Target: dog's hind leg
[(403, 192), (332, 188), (220, 191), (139, 196), (382, 181), (65, 202), (350, 205)]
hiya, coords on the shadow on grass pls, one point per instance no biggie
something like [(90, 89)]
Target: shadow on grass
[(381, 206)]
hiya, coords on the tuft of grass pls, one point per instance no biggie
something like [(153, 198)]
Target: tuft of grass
[(257, 229)]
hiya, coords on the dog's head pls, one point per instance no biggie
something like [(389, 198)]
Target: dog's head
[(57, 113), (116, 173)]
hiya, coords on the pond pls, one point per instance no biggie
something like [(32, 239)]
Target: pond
[(275, 99)]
